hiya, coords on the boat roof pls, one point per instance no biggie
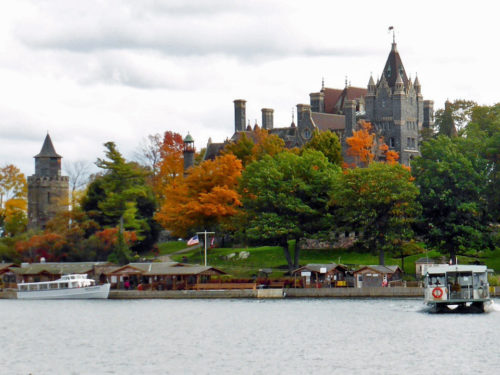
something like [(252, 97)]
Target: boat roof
[(442, 268)]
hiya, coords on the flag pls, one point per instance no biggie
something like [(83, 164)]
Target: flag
[(391, 28), (212, 242), (193, 241)]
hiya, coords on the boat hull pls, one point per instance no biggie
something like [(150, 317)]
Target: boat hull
[(90, 292)]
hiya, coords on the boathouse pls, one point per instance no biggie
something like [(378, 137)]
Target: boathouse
[(326, 275), (374, 276)]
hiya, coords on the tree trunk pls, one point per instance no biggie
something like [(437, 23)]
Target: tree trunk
[(381, 256), (296, 254), (284, 245)]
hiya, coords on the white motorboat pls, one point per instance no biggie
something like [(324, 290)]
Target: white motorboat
[(75, 286), (457, 286)]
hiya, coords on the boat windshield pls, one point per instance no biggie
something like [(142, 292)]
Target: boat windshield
[(436, 279)]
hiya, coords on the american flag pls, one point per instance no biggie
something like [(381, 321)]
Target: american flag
[(193, 241)]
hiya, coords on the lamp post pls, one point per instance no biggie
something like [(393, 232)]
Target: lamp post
[(205, 233)]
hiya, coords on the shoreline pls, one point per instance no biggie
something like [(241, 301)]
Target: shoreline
[(290, 293)]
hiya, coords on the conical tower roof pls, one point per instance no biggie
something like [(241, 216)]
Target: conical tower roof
[(48, 150), (393, 66)]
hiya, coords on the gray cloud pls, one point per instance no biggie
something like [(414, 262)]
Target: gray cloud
[(178, 28)]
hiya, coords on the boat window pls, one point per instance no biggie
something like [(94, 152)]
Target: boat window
[(43, 286), (33, 287), (436, 280), (53, 286), (64, 285), (24, 288)]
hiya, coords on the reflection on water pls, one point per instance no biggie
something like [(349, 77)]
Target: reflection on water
[(327, 336)]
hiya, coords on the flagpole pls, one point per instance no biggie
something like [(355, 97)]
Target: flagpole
[(205, 233)]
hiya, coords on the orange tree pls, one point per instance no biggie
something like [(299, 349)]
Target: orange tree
[(364, 147), (13, 204), (203, 199)]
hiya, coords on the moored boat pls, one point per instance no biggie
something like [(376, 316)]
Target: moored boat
[(75, 286), (458, 286)]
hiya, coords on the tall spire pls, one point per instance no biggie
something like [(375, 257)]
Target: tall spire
[(394, 67), (48, 150)]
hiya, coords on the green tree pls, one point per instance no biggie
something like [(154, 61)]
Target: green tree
[(286, 197), (451, 120), (453, 180), (483, 132), (121, 192), (328, 143), (378, 201)]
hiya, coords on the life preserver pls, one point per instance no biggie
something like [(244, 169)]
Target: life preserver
[(437, 292)]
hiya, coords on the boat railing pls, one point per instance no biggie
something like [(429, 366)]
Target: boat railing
[(465, 293)]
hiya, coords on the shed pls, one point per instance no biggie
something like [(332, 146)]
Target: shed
[(165, 275), (326, 275), (376, 275)]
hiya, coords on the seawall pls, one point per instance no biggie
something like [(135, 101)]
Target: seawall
[(395, 292)]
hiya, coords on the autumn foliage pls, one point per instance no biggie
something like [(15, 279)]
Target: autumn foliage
[(202, 199), (364, 146), (361, 144), (47, 245)]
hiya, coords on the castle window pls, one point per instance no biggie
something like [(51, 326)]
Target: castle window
[(48, 197), (391, 142), (408, 142)]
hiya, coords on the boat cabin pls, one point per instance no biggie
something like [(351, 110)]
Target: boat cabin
[(456, 284)]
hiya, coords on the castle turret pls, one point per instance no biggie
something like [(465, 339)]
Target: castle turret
[(188, 152), (48, 191)]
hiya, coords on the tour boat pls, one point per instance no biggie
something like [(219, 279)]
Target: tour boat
[(457, 286), (76, 286)]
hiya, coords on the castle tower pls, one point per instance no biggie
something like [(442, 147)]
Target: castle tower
[(48, 191), (188, 152), (396, 108)]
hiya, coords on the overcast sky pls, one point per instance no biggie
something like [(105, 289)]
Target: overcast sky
[(94, 71)]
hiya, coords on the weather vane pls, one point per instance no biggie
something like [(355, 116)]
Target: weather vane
[(391, 28)]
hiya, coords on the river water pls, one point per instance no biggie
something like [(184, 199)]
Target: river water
[(313, 336)]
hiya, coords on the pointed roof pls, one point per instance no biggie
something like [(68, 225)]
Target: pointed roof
[(393, 66), (48, 150)]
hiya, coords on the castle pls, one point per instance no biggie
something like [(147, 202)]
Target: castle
[(394, 105), (47, 189)]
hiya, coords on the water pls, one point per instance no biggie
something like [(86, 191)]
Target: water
[(323, 336)]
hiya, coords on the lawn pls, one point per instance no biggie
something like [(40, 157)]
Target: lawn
[(231, 260)]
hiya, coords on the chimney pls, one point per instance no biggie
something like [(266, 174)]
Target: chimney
[(239, 115), (267, 118), (302, 110)]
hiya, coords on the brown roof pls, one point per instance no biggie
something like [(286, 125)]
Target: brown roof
[(331, 98), (327, 121), (335, 98)]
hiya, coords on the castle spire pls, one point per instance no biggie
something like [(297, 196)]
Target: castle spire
[(394, 67), (48, 150)]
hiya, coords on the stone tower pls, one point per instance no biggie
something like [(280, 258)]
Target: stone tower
[(396, 109), (48, 191), (188, 152)]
